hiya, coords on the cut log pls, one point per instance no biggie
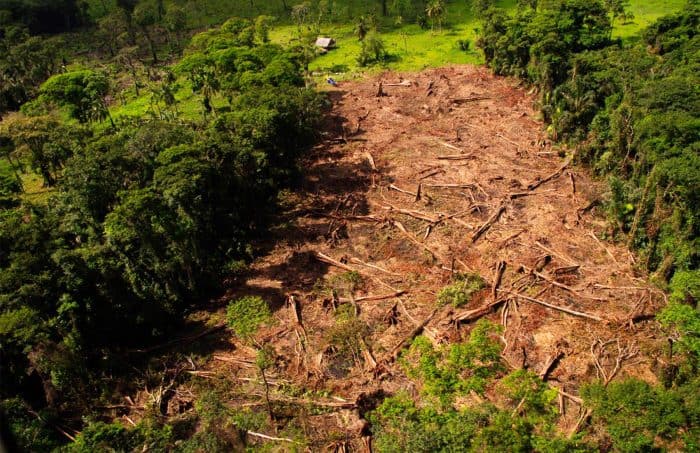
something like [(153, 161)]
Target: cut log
[(538, 182), (493, 219), (472, 315), (500, 269), (456, 157), (555, 307)]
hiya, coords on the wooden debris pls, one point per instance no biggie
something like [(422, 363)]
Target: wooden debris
[(456, 157), (328, 260), (369, 298), (451, 186), (266, 437), (485, 227), (599, 351), (555, 307), (538, 182), (550, 363), (591, 234), (398, 189), (500, 269), (380, 269), (471, 315), (413, 334), (370, 159)]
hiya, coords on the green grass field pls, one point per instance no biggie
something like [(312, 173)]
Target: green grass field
[(411, 48)]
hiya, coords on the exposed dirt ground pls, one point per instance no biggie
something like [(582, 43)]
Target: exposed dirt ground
[(494, 195)]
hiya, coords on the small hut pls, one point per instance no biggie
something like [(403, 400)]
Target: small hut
[(325, 44)]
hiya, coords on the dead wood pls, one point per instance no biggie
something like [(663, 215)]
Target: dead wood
[(600, 352), (405, 232), (432, 173), (500, 269), (451, 186), (370, 159), (591, 234), (573, 183), (380, 269), (565, 270), (370, 298), (448, 145), (555, 307), (459, 101), (504, 242), (550, 363), (418, 192), (413, 334), (405, 83), (328, 260), (407, 192), (456, 157), (188, 339), (412, 213), (583, 419), (266, 437), (471, 315), (539, 181), (558, 255), (485, 227), (561, 285)]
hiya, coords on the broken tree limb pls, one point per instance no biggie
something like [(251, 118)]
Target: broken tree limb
[(456, 157), (558, 255), (407, 192), (370, 159), (380, 269), (500, 269), (180, 340), (591, 234), (405, 83), (266, 437), (554, 307), (412, 213), (448, 145), (413, 334), (450, 186), (485, 227), (538, 182), (550, 363), (469, 99), (328, 260), (377, 297), (471, 315)]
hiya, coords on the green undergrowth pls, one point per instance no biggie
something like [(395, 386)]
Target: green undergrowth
[(460, 292), (456, 369), (245, 315)]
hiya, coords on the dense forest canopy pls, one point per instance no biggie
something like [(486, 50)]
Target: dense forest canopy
[(147, 214)]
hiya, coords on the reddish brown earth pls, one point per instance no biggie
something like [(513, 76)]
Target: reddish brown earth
[(457, 126)]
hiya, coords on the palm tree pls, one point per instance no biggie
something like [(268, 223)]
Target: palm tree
[(436, 11)]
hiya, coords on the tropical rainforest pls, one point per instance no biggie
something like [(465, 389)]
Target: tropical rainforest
[(150, 153)]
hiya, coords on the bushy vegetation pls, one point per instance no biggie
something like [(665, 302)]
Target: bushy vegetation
[(147, 216), (456, 369), (460, 292), (632, 111), (246, 314)]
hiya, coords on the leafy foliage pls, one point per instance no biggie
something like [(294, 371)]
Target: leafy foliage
[(246, 314), (461, 291), (458, 368)]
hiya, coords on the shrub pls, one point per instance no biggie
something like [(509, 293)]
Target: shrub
[(461, 291), (246, 314)]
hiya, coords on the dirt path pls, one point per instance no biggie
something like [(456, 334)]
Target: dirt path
[(494, 194)]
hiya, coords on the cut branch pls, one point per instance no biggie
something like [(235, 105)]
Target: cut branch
[(538, 182), (413, 334), (485, 227), (555, 307)]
